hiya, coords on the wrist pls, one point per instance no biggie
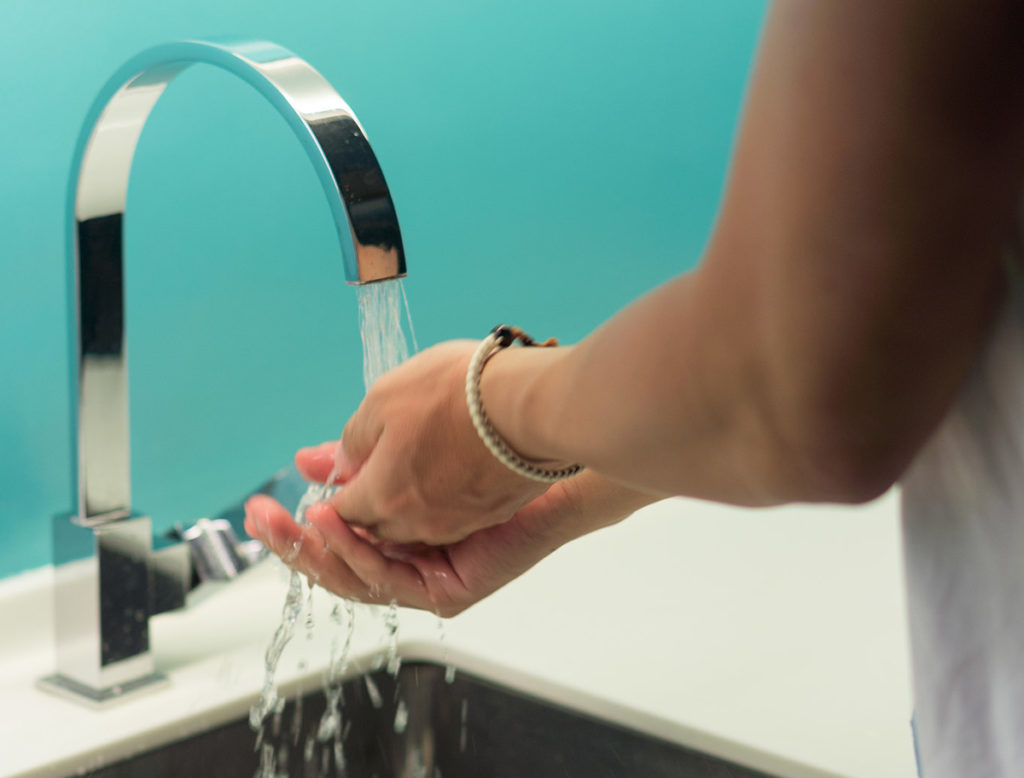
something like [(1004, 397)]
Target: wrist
[(515, 390), (591, 502)]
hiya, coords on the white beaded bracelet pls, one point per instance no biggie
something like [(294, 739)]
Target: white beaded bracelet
[(502, 337)]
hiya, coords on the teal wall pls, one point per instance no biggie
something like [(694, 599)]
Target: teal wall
[(549, 162)]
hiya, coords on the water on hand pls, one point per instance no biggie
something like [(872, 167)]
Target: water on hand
[(381, 309)]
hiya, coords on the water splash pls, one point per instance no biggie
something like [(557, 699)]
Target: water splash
[(268, 762), (312, 495), (394, 661), (339, 756), (283, 757), (385, 346), (330, 728), (310, 620), (374, 693), (401, 717), (442, 638), (269, 701)]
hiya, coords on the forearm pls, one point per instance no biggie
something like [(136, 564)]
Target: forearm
[(647, 400), (590, 501), (849, 282)]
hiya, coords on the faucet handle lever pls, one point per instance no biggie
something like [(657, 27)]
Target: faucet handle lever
[(217, 554)]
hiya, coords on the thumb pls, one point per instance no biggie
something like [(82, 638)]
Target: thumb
[(358, 440), (353, 503), (316, 463), (326, 460)]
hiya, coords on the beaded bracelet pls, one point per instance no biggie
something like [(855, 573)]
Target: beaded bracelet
[(501, 337)]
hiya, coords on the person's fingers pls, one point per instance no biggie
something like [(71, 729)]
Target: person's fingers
[(303, 548), (269, 522), (354, 502), (344, 465), (299, 546), (315, 560), (385, 578), (316, 463), (386, 510)]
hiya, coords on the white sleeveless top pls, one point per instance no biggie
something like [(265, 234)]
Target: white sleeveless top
[(963, 530)]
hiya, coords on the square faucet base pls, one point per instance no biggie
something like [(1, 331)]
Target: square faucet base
[(102, 698)]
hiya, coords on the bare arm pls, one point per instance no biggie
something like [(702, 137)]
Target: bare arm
[(848, 283)]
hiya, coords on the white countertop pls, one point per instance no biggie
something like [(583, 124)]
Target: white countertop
[(774, 638)]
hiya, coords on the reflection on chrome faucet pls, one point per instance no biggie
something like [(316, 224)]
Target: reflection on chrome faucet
[(110, 580)]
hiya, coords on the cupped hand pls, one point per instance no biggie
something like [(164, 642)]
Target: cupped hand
[(412, 463), (443, 579)]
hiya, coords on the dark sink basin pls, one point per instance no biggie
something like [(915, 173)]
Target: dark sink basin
[(469, 728)]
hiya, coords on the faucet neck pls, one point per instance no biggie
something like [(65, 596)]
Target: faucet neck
[(336, 144)]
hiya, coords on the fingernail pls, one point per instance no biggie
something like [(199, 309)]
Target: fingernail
[(320, 456), (321, 511), (316, 452), (256, 513)]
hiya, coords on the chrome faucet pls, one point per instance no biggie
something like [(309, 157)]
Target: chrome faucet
[(109, 579)]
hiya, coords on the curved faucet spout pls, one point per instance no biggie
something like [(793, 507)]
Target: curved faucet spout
[(109, 580), (360, 203)]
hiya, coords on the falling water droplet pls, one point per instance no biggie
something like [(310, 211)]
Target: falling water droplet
[(373, 691), (401, 717)]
